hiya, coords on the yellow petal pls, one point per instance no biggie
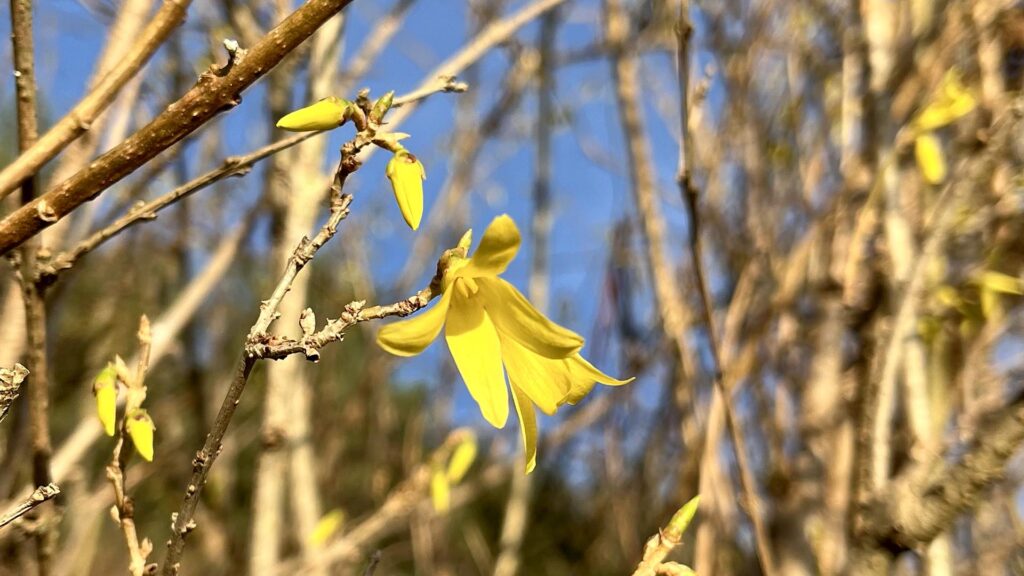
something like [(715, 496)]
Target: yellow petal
[(527, 425), (410, 337), (584, 375), (497, 248), (324, 115), (516, 318), (931, 161), (474, 345), (544, 381), (140, 430), (407, 175)]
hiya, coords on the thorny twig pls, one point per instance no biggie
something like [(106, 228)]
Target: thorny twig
[(260, 341)]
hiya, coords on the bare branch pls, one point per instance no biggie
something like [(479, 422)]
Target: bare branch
[(79, 119), (214, 93)]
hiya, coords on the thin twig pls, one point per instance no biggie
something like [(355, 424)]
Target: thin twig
[(138, 551), (182, 521), (690, 194), (40, 495), (79, 119)]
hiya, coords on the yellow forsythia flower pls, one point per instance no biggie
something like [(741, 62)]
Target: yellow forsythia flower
[(407, 175), (492, 329), (105, 389), (950, 102), (930, 160), (326, 114), (140, 430)]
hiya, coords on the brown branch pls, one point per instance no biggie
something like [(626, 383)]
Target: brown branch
[(78, 120), (216, 91), (32, 292), (231, 166), (688, 189), (40, 495)]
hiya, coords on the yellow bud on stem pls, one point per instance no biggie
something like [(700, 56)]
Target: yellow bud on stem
[(407, 175)]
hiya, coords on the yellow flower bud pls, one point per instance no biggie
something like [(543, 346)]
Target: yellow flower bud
[(140, 430), (105, 389), (407, 175), (326, 114)]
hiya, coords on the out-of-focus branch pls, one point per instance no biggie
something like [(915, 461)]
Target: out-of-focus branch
[(690, 193), (923, 501), (409, 495), (78, 120), (217, 90), (40, 495)]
